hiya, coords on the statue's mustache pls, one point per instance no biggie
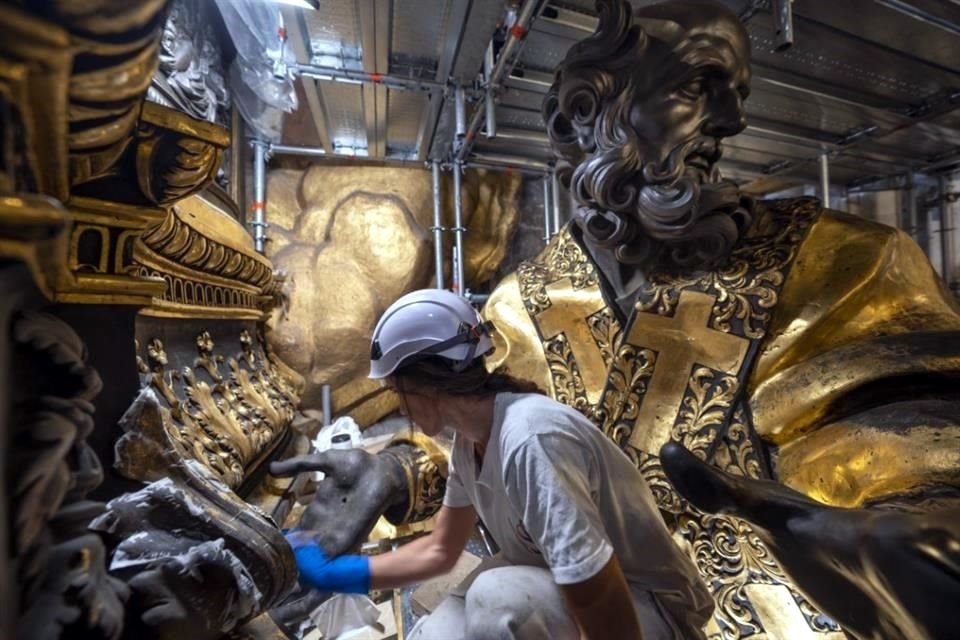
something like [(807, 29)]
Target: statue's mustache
[(700, 151), (670, 196)]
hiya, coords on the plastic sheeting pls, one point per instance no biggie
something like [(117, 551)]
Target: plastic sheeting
[(261, 73), (343, 615)]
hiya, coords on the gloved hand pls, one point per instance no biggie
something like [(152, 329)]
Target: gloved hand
[(344, 574)]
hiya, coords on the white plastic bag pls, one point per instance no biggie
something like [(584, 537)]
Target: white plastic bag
[(344, 433), (343, 615)]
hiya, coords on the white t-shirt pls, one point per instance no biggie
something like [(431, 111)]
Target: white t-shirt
[(555, 492)]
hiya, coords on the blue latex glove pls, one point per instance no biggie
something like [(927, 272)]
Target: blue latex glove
[(345, 574)]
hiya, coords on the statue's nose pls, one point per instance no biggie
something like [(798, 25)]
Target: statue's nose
[(726, 116)]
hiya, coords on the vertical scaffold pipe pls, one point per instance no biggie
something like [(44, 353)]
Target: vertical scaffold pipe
[(327, 404), (547, 208), (458, 228), (489, 97), (555, 201), (437, 227), (825, 181), (259, 223)]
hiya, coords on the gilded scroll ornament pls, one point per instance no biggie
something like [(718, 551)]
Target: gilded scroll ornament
[(226, 411), (704, 411), (562, 258)]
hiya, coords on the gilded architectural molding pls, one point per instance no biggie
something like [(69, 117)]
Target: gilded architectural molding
[(208, 263), (87, 139), (176, 155)]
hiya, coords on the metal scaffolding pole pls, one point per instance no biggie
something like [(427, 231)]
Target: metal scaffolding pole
[(547, 208), (318, 152), (475, 163), (458, 228), (401, 83), (259, 223), (460, 111), (327, 404), (555, 199), (437, 227), (946, 228), (825, 181), (489, 97), (515, 163), (910, 207), (783, 24)]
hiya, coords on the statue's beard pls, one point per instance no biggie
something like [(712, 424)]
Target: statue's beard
[(682, 214)]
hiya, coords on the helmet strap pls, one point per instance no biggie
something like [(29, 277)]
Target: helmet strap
[(471, 336)]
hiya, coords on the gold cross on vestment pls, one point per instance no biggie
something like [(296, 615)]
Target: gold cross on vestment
[(568, 312), (681, 342)]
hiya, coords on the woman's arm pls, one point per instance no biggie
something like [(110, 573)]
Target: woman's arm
[(602, 605), (426, 557)]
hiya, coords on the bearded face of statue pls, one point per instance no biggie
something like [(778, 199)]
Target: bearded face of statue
[(636, 114)]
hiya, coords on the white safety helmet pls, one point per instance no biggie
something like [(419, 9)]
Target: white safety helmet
[(428, 322)]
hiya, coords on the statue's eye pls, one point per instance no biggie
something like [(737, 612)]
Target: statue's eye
[(693, 89)]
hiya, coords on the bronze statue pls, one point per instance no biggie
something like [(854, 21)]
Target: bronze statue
[(775, 340)]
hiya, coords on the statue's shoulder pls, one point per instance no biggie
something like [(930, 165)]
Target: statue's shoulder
[(829, 230), (857, 241), (843, 221), (847, 266)]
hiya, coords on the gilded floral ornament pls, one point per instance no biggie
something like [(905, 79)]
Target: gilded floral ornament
[(205, 343), (157, 354), (226, 412)]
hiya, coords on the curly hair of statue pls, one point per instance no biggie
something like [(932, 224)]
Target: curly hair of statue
[(648, 212), (436, 374)]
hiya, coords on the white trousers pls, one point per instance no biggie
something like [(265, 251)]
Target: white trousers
[(521, 603)]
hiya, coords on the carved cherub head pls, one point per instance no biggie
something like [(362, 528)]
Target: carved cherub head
[(636, 114)]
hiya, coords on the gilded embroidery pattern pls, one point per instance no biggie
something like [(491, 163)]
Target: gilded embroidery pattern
[(626, 384), (606, 333), (704, 410), (563, 258), (567, 382), (748, 286), (729, 556)]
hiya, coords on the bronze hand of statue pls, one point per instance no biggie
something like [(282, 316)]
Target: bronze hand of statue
[(879, 574), (358, 488)]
